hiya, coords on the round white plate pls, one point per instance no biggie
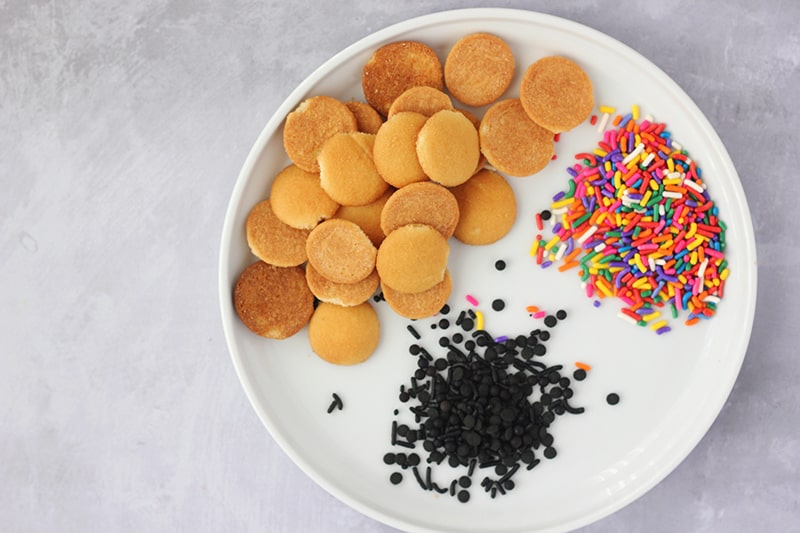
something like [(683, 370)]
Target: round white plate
[(672, 386)]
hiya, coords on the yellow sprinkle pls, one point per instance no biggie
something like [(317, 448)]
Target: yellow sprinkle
[(693, 258), (635, 112), (604, 288), (692, 230), (670, 290), (614, 270), (535, 247), (672, 181), (603, 214), (654, 185), (670, 164), (561, 203), (600, 153), (607, 109), (478, 320), (651, 316), (618, 180), (695, 243), (552, 242), (682, 279), (645, 198), (724, 274), (640, 283), (658, 325), (639, 263), (716, 282)]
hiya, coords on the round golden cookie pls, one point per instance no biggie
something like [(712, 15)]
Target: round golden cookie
[(368, 217), (512, 142), (344, 335), (395, 150), (344, 294), (413, 258), (423, 100), (298, 200), (307, 128), (396, 67), (448, 149), (556, 93), (419, 304), (340, 251), (487, 206), (274, 302), (421, 203), (479, 69), (477, 123), (368, 120), (271, 240), (347, 170)]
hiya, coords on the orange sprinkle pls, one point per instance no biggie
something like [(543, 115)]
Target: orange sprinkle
[(583, 366), (567, 266), (532, 309), (692, 321), (617, 120)]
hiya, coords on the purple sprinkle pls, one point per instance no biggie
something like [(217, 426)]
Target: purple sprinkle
[(557, 228), (501, 339), (559, 196), (663, 329), (546, 264), (572, 172), (596, 303)]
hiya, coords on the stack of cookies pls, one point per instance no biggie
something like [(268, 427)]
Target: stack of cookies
[(376, 189)]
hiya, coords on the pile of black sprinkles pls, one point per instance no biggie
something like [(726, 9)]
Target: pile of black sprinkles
[(485, 405)]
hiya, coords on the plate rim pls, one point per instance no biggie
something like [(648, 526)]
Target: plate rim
[(461, 15)]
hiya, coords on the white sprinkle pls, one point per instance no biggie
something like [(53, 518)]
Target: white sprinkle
[(627, 318), (603, 121), (661, 262), (671, 194), (693, 185), (633, 155), (648, 159), (673, 175), (588, 233), (711, 299), (651, 263), (677, 146), (649, 118), (559, 211), (662, 210), (560, 252), (701, 272), (600, 247)]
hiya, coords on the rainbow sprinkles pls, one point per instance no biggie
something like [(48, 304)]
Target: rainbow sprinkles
[(639, 225)]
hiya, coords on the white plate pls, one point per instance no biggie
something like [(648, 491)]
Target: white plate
[(672, 387)]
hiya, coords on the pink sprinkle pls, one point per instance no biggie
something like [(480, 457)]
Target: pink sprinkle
[(589, 290), (471, 299), (540, 314)]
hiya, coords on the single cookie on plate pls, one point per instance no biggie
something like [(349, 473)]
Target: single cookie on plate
[(368, 217), (423, 100), (344, 335), (344, 294), (274, 302), (556, 93), (298, 200), (368, 120), (421, 203), (413, 258), (395, 67), (341, 251), (395, 149), (447, 148), (487, 207), (419, 304), (273, 241), (512, 142), (347, 169), (479, 69), (312, 123)]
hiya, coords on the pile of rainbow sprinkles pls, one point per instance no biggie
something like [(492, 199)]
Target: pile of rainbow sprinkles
[(639, 225)]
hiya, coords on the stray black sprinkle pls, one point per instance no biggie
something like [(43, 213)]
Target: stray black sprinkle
[(445, 310), (500, 264), (550, 321), (579, 374), (613, 398), (561, 314), (335, 404), (546, 214), (463, 496), (396, 478), (498, 305), (419, 478), (413, 331)]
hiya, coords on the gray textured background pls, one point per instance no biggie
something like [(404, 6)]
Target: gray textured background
[(123, 126)]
